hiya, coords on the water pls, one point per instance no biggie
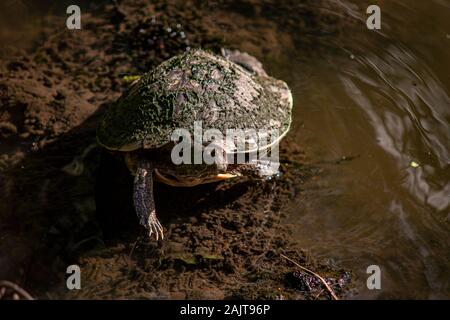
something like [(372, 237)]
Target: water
[(384, 98)]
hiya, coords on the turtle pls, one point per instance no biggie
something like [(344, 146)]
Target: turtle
[(221, 91)]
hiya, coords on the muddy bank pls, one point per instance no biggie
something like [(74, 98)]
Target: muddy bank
[(63, 200)]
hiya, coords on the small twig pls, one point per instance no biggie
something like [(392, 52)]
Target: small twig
[(333, 295), (132, 248), (135, 245), (317, 296), (16, 288)]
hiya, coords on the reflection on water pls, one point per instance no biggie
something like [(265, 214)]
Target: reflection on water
[(386, 99)]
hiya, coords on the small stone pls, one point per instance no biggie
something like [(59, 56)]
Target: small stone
[(34, 146)]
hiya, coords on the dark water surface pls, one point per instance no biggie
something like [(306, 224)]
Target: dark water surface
[(384, 98)]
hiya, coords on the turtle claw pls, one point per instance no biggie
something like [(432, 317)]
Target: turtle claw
[(155, 227)]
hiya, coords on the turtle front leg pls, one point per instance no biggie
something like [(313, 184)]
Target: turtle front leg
[(144, 202)]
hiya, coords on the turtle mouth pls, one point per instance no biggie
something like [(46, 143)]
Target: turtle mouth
[(225, 176), (174, 181)]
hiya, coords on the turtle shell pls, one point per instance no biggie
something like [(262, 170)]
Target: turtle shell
[(201, 87)]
